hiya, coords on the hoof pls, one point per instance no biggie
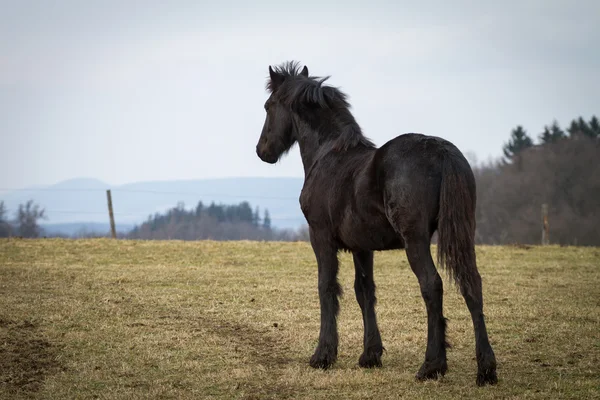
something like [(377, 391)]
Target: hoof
[(432, 370), (487, 377), (486, 369), (323, 358), (371, 358)]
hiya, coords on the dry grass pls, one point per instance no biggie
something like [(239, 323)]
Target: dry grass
[(130, 319)]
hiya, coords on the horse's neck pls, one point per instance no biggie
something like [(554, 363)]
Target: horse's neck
[(308, 142), (313, 146), (312, 153), (309, 153)]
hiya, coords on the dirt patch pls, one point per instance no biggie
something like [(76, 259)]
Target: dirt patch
[(26, 358), (259, 344), (264, 348)]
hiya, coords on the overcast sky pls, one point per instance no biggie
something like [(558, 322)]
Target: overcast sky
[(125, 91)]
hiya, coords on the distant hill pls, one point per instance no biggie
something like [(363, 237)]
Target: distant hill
[(81, 202)]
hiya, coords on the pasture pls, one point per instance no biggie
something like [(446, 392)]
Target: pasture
[(104, 319)]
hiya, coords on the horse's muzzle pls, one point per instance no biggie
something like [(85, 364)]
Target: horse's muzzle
[(265, 156)]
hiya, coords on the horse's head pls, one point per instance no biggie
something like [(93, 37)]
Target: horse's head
[(277, 135)]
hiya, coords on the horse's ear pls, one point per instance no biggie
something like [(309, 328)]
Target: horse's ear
[(276, 79), (304, 71)]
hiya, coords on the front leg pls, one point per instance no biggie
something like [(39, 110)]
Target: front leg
[(329, 290)]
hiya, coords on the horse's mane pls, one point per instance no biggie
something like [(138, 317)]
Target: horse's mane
[(300, 89)]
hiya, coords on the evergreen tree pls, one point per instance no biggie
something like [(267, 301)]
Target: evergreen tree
[(584, 127), (519, 141), (557, 132), (256, 217), (245, 212), (573, 129), (551, 134), (594, 127), (580, 127), (546, 136), (267, 220), (216, 212), (199, 209)]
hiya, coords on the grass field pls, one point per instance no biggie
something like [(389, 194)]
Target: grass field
[(103, 319)]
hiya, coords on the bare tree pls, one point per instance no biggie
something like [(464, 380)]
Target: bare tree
[(5, 228), (27, 219)]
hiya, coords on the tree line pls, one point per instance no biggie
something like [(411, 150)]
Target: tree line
[(215, 222), (560, 169)]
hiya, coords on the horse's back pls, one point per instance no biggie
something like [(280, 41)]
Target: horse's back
[(410, 168), (417, 156)]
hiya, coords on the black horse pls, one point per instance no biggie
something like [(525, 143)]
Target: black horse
[(360, 198)]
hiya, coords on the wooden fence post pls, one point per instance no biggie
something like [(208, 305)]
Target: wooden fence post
[(545, 226), (113, 231)]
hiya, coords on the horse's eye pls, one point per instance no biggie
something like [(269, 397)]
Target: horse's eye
[(266, 106)]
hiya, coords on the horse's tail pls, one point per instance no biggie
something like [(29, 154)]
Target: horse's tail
[(456, 222)]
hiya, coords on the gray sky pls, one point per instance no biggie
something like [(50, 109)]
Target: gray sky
[(151, 90)]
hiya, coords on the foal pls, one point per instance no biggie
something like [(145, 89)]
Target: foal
[(361, 198)]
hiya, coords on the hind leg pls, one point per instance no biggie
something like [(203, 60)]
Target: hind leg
[(364, 287), (419, 258), (486, 360)]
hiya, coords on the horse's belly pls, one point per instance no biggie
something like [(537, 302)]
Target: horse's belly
[(374, 234)]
